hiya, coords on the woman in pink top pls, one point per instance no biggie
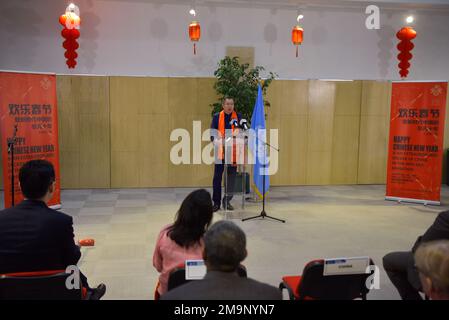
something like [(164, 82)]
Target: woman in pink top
[(183, 239)]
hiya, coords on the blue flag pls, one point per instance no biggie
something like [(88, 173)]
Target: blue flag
[(258, 147)]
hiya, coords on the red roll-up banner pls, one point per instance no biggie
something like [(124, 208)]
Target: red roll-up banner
[(415, 152), (28, 112)]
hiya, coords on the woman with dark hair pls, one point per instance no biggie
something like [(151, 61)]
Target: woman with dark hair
[(183, 240)]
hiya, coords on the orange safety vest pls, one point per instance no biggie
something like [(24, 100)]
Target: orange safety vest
[(221, 129)]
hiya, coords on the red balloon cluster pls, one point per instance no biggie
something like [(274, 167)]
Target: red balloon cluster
[(405, 45), (70, 21)]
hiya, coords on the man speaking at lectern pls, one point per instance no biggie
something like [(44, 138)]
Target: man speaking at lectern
[(225, 124)]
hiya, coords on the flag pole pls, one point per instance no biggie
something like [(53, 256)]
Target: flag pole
[(263, 213)]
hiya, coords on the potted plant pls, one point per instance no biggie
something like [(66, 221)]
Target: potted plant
[(240, 82)]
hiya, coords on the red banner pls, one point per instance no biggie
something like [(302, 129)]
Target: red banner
[(28, 109), (415, 153)]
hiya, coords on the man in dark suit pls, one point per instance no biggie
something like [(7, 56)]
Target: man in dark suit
[(224, 249), (400, 266), (34, 237), (224, 124)]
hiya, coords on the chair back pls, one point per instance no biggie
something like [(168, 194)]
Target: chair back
[(315, 285), (41, 285)]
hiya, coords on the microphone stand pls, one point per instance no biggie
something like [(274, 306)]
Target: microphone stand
[(11, 143), (245, 142), (263, 213), (225, 203)]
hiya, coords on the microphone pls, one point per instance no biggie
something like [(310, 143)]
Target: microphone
[(244, 124), (234, 122)]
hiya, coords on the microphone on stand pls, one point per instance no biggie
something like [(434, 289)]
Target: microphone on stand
[(234, 122), (243, 124)]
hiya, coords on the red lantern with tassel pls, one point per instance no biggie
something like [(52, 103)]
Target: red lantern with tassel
[(194, 33), (71, 21), (405, 45), (297, 36)]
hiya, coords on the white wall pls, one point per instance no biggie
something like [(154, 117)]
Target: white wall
[(143, 38)]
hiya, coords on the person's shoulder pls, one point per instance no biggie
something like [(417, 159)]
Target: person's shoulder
[(59, 216), (262, 286), (7, 212), (164, 231), (216, 114), (443, 217), (165, 228), (444, 214), (184, 292)]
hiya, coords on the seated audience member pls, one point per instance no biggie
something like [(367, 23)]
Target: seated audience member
[(34, 237), (225, 249), (400, 266), (183, 240), (432, 262)]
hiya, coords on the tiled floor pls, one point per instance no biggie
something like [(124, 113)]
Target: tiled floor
[(322, 221)]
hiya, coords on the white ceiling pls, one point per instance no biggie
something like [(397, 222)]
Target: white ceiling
[(279, 4)]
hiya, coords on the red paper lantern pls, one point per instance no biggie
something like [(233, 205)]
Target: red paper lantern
[(297, 36), (405, 45), (194, 33)]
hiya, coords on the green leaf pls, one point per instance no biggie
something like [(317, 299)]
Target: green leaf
[(239, 81)]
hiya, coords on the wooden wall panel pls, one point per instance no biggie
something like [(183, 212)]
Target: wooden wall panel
[(153, 160), (204, 172), (273, 96), (69, 169), (183, 97), (94, 136), (68, 130), (155, 107), (94, 155), (154, 96), (345, 143), (84, 139), (125, 169), (288, 114), (374, 128), (294, 96), (189, 101), (139, 132), (182, 175), (345, 148), (319, 131), (348, 95), (293, 151), (206, 96)]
